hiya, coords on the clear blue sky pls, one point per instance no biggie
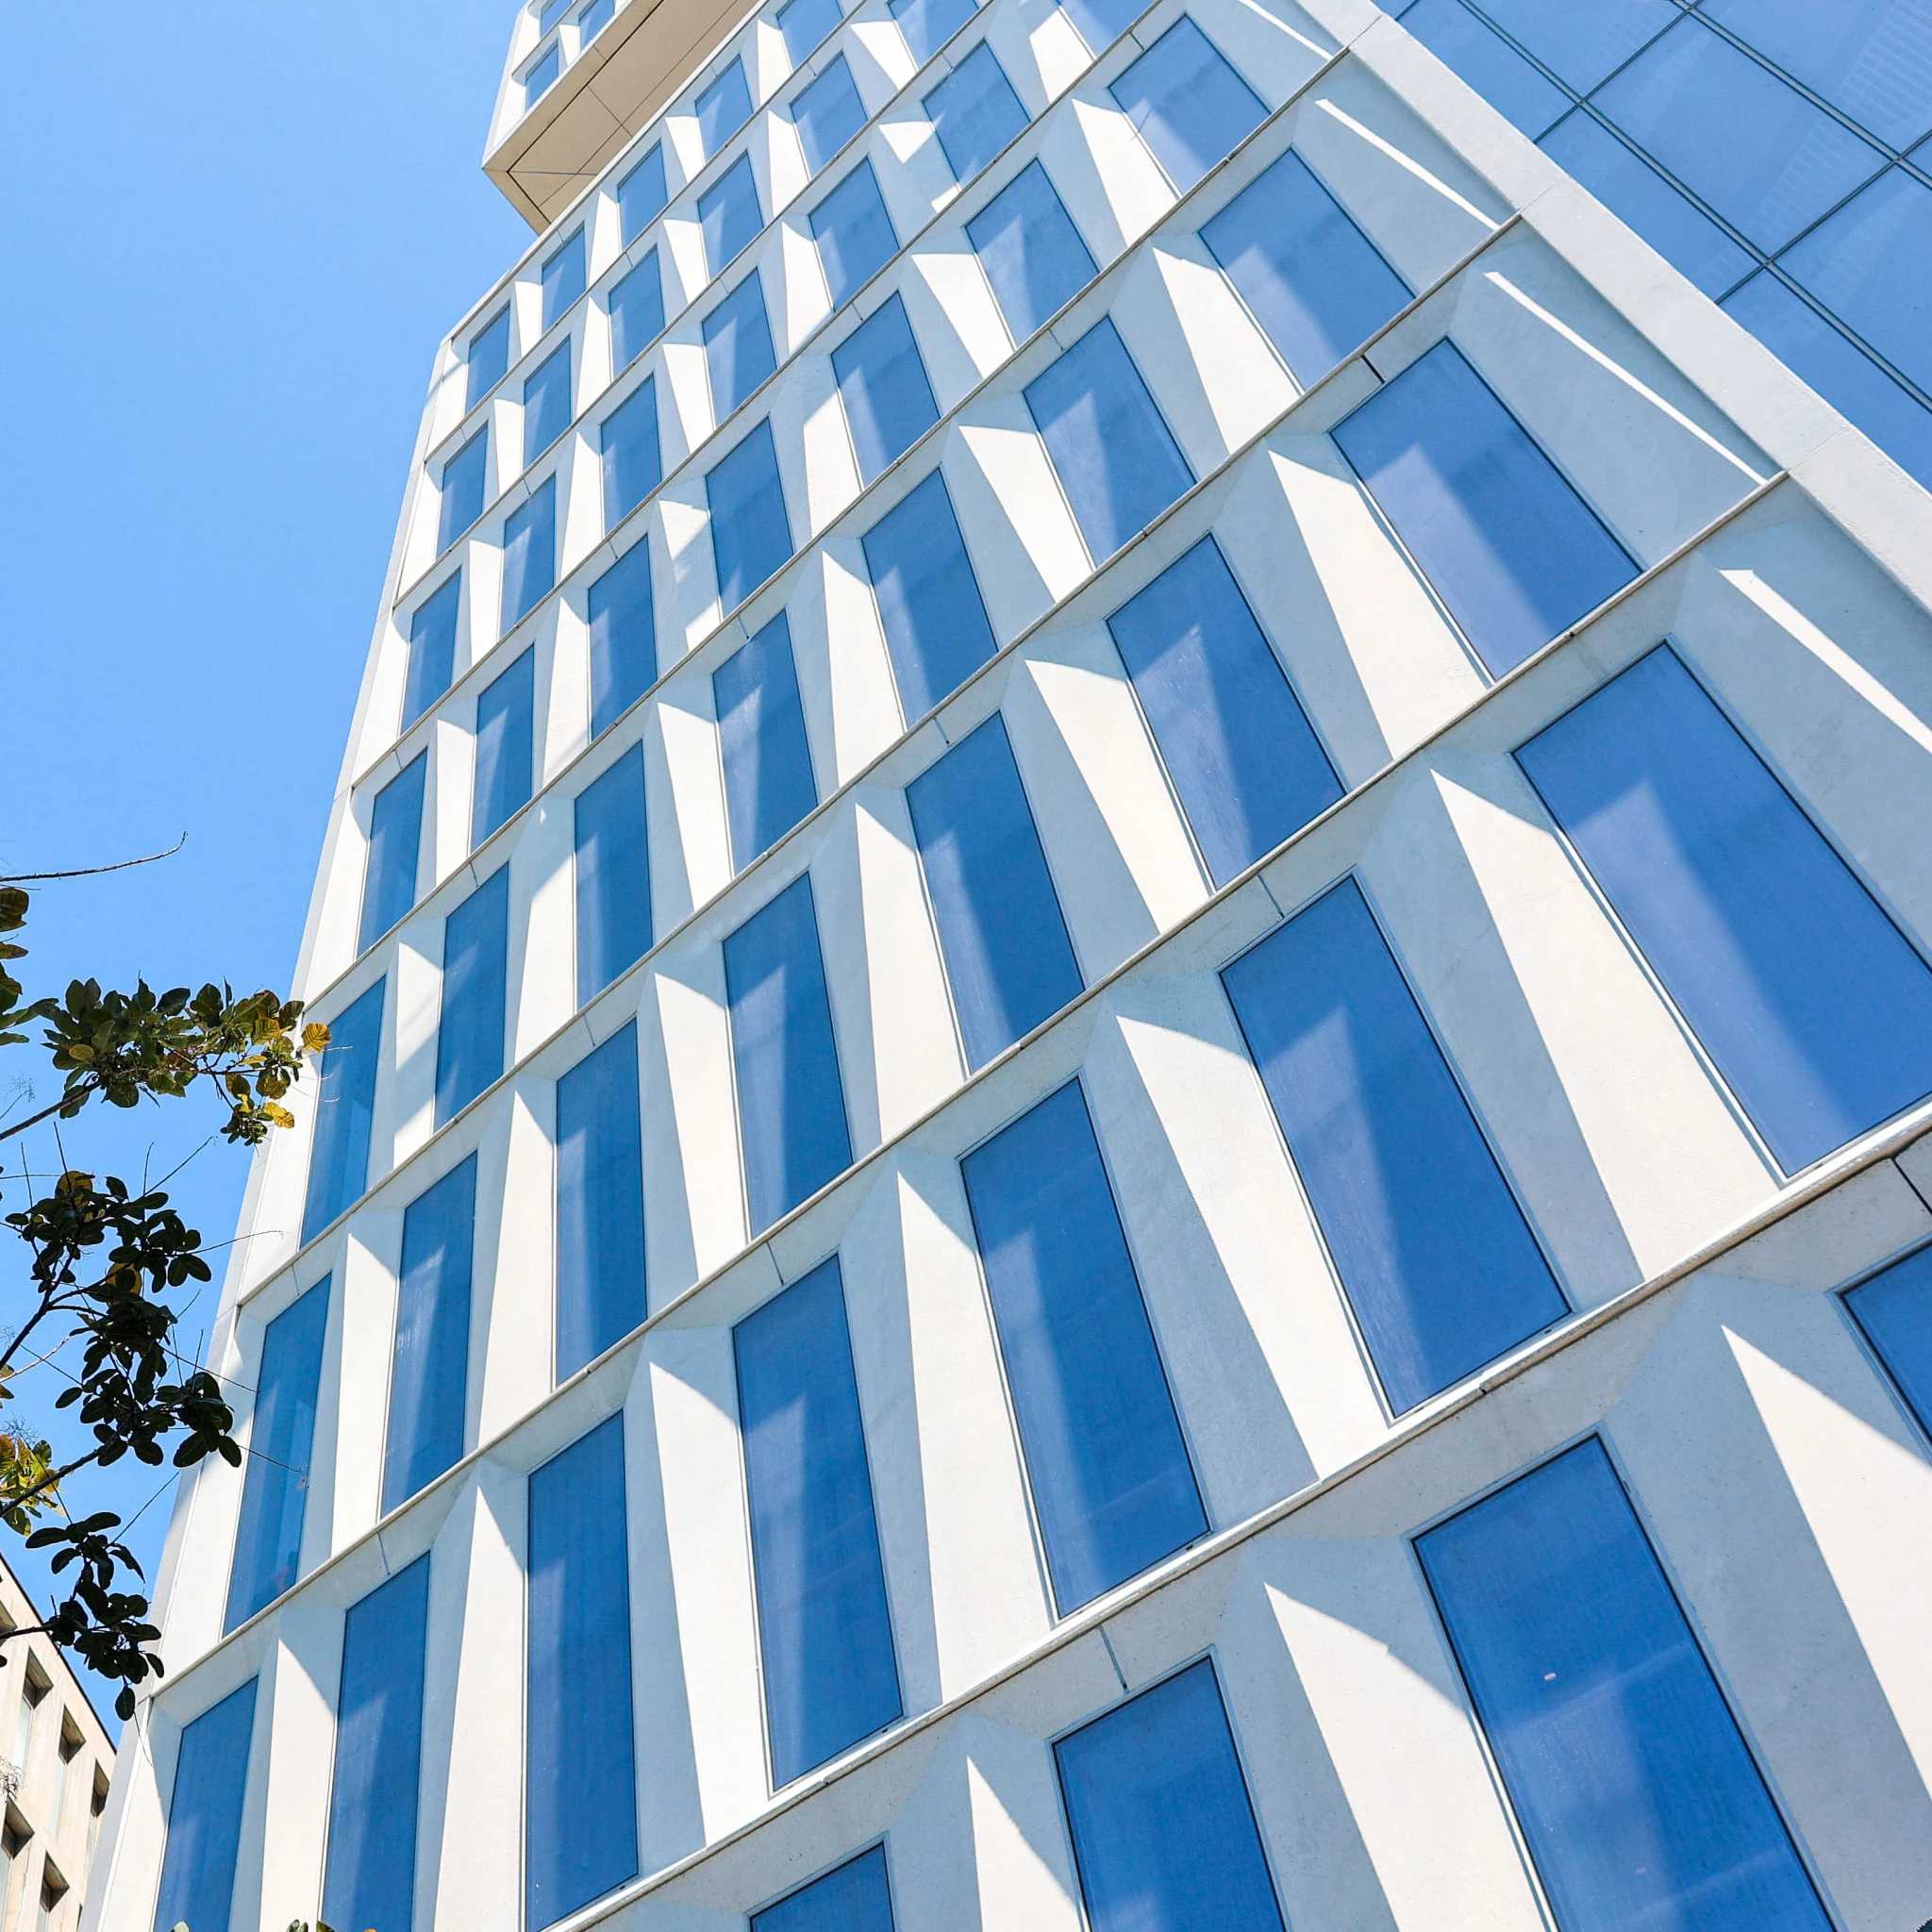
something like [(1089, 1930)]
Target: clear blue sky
[(234, 236)]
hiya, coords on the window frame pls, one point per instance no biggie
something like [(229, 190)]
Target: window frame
[(1057, 1618), (1209, 1653), (1842, 1294), (1774, 769), (1596, 1430), (904, 1717), (1211, 535), (1393, 1418)]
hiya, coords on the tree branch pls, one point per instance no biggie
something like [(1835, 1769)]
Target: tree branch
[(87, 872), (45, 1114)]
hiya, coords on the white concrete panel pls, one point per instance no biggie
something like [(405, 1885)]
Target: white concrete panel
[(864, 702), (512, 1297), (1375, 662), (1366, 1769), (1764, 1458), (479, 1868), (1624, 1152), (1827, 666), (1421, 205), (1656, 460), (1265, 1365), (954, 1520), (692, 1172), (915, 1058), (1121, 858), (1217, 380), (685, 1401)]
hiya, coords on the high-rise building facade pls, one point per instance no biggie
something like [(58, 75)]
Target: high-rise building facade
[(55, 1763), (1129, 1121)]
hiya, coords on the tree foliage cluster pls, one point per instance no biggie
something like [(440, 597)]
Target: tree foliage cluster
[(107, 1262)]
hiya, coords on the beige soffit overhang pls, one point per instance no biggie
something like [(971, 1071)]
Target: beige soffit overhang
[(604, 97)]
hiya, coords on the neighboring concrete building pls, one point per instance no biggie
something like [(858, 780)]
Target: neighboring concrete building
[(55, 1766), (1130, 1112)]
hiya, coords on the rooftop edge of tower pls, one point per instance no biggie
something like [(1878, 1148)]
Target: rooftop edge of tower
[(542, 155)]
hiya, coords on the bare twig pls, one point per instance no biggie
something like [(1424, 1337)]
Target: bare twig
[(87, 872)]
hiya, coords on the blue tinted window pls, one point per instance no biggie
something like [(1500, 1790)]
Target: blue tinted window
[(1636, 1795), (823, 1629), (1437, 1260), (371, 1812), (1314, 281), (542, 76), (546, 402), (475, 961), (722, 108), (751, 535), (1760, 154), (1101, 22), (428, 1391), (345, 1111), (929, 602), (563, 276), (432, 650), (1838, 370), (889, 401), (805, 23), (1236, 744), (593, 20), (633, 462), (624, 640), (975, 112), (487, 359), (1630, 187), (580, 1831), (636, 311), (767, 780), (738, 345), (1816, 1010), (642, 195), (1115, 457), (1007, 955), (613, 875), (1895, 1312), (853, 233), (791, 1106), (600, 1203), (1192, 107), (1871, 264), (205, 1816), (1494, 525), (550, 13), (1164, 1834), (529, 553), (1031, 250), (268, 1544), (1109, 1472), (1500, 75), (827, 114), (463, 489), (396, 845), (506, 746), (928, 25), (856, 1897), (729, 215), (1583, 46), (1870, 59)]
